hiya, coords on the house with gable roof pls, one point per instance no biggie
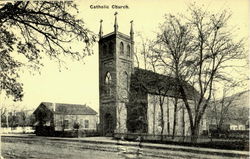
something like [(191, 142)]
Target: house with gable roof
[(51, 117)]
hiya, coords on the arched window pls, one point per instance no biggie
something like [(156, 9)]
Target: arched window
[(125, 85), (125, 77), (105, 49), (111, 48), (128, 50), (121, 48), (108, 80)]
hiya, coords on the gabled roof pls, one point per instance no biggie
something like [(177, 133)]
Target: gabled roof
[(159, 84), (69, 109)]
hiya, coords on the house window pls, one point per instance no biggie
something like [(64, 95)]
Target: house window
[(108, 83), (86, 123), (66, 124), (121, 48), (128, 50)]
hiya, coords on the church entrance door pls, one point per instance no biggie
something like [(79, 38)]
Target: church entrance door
[(108, 125)]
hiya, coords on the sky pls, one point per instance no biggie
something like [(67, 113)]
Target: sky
[(79, 83)]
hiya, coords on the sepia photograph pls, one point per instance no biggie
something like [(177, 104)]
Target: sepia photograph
[(124, 79)]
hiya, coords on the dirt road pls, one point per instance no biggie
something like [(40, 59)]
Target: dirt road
[(46, 148), (43, 148)]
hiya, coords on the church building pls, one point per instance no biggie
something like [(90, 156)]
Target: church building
[(134, 100)]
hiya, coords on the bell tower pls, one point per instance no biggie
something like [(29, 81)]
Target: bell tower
[(115, 69)]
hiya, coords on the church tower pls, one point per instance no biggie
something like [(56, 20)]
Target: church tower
[(115, 69)]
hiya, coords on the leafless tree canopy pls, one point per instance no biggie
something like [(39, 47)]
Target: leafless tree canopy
[(30, 29), (197, 49)]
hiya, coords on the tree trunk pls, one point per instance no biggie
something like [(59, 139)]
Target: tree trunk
[(7, 120), (154, 119), (183, 123), (219, 126), (194, 133), (168, 123), (162, 121), (175, 115)]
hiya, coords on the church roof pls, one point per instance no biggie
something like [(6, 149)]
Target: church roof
[(154, 83), (69, 109)]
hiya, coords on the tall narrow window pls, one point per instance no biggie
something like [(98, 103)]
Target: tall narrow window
[(121, 48), (111, 48), (108, 83), (105, 49), (128, 50), (125, 85), (125, 76)]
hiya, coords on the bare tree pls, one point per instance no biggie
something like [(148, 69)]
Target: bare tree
[(197, 49), (162, 87), (220, 111), (4, 118), (175, 116), (228, 107), (30, 30), (22, 118), (152, 61), (7, 114)]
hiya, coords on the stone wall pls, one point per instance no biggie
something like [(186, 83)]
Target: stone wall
[(121, 122)]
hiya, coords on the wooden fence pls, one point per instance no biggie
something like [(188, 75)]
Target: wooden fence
[(230, 135)]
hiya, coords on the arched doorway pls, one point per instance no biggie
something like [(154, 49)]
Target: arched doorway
[(108, 125)]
